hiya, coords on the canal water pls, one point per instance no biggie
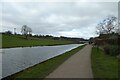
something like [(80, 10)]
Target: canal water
[(17, 59)]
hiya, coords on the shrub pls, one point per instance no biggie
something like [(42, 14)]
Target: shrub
[(113, 50), (106, 49)]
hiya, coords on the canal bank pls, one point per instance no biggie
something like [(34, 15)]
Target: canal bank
[(53, 56)]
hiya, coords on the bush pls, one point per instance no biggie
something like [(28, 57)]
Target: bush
[(113, 50), (8, 32), (106, 49)]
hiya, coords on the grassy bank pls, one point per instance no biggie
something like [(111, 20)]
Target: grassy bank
[(104, 66), (43, 69), (9, 41)]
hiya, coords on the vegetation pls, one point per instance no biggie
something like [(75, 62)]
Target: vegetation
[(108, 25), (110, 44), (26, 30), (104, 66), (9, 41), (109, 36), (0, 40), (43, 69), (112, 50)]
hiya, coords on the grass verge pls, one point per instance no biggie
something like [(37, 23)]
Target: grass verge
[(104, 66), (43, 69), (10, 41)]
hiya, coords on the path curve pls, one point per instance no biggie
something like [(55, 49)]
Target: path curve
[(77, 66)]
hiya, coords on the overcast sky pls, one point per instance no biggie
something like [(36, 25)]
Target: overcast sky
[(70, 19)]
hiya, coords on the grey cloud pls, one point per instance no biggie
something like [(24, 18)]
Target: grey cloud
[(56, 18)]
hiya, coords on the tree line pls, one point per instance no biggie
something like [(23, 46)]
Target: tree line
[(27, 32)]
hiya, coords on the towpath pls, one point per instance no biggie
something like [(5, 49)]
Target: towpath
[(77, 66)]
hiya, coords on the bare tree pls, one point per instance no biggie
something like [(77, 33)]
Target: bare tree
[(107, 26), (26, 30)]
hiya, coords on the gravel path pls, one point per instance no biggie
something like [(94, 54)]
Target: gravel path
[(77, 66)]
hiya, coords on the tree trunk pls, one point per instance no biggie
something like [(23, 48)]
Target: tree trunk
[(26, 36)]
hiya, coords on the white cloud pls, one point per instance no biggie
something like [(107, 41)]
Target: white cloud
[(71, 33), (73, 19)]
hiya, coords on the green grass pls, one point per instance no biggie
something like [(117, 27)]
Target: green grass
[(104, 66), (43, 69), (9, 41), (0, 41)]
